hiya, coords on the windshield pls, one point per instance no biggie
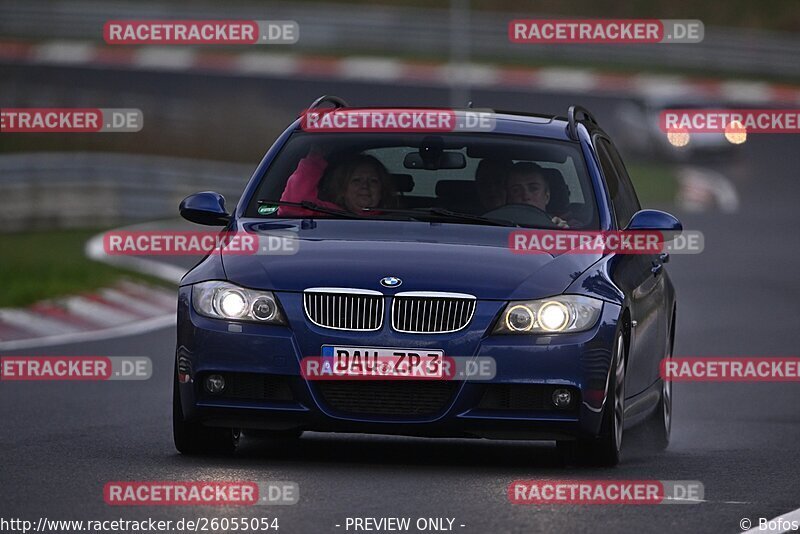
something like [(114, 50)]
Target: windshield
[(463, 178)]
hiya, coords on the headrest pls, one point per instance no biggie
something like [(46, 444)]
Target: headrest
[(403, 183), (559, 191), (456, 189)]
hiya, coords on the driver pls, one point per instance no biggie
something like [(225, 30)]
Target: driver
[(527, 185)]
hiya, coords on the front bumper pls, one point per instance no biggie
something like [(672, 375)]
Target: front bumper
[(263, 362)]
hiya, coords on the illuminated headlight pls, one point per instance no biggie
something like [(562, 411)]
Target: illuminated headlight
[(564, 313), (223, 300), (736, 133), (678, 138)]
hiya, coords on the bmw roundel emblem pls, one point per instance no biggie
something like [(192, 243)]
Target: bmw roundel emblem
[(391, 281)]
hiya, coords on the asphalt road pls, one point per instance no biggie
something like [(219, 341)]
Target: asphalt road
[(61, 442)]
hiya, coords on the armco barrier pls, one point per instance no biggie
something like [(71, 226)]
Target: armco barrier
[(73, 190), (409, 30)]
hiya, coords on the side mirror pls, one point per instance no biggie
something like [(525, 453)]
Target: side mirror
[(206, 208), (656, 221)]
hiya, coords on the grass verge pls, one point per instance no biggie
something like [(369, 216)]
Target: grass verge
[(41, 265), (656, 184)]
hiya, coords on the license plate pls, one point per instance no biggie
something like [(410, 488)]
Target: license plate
[(384, 362)]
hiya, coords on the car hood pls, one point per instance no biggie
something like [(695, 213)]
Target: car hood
[(456, 258)]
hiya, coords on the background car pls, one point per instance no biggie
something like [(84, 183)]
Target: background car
[(642, 135)]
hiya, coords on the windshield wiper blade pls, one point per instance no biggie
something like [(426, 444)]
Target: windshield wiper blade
[(310, 206), (444, 213)]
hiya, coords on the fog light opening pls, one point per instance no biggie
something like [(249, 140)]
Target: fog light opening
[(215, 384), (562, 398)]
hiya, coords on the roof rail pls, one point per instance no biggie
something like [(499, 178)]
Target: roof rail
[(573, 115), (335, 100)]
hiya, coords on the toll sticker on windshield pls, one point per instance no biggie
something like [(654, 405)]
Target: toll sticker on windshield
[(267, 209)]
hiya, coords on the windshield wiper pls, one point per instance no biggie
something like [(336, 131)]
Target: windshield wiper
[(444, 213), (412, 213), (310, 206)]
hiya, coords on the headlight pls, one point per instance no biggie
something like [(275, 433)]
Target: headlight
[(564, 313), (223, 300)]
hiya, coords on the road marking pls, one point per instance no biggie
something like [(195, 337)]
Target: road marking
[(266, 63), (131, 302), (33, 323), (578, 80), (167, 299), (171, 273), (475, 75), (98, 313), (741, 91), (390, 69), (165, 58), (702, 188), (664, 86), (360, 68), (130, 329), (65, 52)]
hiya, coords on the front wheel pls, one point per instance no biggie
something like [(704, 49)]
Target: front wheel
[(660, 426), (604, 450), (194, 438), (661, 423)]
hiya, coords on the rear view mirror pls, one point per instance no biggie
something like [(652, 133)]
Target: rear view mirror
[(440, 160)]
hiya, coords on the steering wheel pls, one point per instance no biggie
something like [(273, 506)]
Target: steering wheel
[(523, 214)]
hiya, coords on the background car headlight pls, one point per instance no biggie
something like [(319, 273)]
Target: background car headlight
[(564, 313), (223, 300)]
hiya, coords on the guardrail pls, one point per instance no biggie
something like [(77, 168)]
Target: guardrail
[(415, 31), (73, 190)]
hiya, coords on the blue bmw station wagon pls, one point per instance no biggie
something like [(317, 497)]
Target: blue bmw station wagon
[(402, 249)]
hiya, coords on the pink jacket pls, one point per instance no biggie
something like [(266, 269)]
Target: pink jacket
[(303, 185)]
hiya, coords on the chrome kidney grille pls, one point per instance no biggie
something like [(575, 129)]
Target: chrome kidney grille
[(358, 310), (422, 312), (413, 312)]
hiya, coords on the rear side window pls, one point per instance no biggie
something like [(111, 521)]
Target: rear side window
[(623, 196)]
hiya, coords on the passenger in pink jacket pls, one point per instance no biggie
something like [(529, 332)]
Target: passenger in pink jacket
[(359, 182)]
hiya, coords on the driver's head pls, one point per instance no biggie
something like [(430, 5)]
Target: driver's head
[(490, 180), (527, 185)]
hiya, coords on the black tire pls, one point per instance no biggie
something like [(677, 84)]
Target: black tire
[(604, 450), (659, 427), (194, 438)]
